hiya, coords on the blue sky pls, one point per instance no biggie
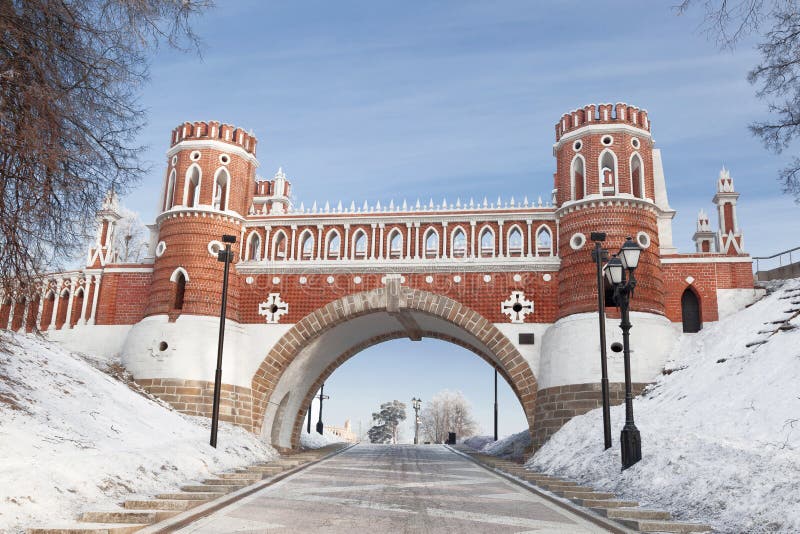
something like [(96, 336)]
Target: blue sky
[(382, 101)]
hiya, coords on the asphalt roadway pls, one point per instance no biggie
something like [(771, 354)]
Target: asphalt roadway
[(392, 489)]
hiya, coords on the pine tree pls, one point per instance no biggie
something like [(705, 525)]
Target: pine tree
[(387, 421)]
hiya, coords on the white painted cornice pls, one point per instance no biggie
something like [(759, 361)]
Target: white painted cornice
[(222, 146)]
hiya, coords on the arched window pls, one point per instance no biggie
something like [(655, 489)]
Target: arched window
[(179, 278), (431, 243), (486, 240), (637, 176), (395, 244), (359, 245), (609, 185), (222, 182), (279, 246), (191, 193), (254, 247), (47, 311), (169, 197), (77, 307), (334, 244), (515, 241), (544, 241), (690, 311), (578, 178), (61, 316), (306, 245), (458, 247)]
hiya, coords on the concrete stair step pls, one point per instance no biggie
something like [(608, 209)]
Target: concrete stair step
[(269, 469), (188, 496), (596, 495), (88, 528), (162, 504), (248, 476), (564, 486), (604, 503), (644, 525), (223, 482), (632, 513), (201, 488), (128, 516)]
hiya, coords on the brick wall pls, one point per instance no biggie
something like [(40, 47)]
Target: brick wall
[(557, 405), (122, 298), (196, 397)]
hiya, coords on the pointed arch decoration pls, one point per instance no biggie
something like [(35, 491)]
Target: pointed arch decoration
[(395, 240), (279, 246), (514, 241), (333, 244), (359, 247), (306, 242), (636, 167), (253, 249), (169, 197), (430, 240), (544, 241), (608, 170), (577, 178), (222, 188), (486, 242), (458, 242), (191, 186)]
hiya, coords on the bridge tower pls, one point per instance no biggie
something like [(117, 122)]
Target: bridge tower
[(608, 179), (208, 189)]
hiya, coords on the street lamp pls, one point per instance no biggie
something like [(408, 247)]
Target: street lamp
[(321, 398), (599, 254), (225, 256), (619, 271), (416, 403)]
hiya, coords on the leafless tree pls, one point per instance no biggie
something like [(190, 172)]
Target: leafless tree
[(131, 237), (777, 75), (70, 75), (447, 411)]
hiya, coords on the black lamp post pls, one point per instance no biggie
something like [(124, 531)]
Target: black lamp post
[(416, 403), (308, 424), (495, 403), (619, 271), (599, 255), (321, 398), (225, 256)]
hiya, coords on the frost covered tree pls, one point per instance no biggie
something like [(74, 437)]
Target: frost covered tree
[(387, 422), (70, 76), (131, 237), (777, 74), (447, 411)]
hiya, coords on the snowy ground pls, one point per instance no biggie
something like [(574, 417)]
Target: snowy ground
[(512, 447), (720, 434), (317, 441), (72, 437)]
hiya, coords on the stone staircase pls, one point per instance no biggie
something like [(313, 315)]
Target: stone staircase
[(603, 504), (136, 514)]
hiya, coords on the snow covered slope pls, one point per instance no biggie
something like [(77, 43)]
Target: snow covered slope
[(71, 437), (720, 434), (511, 447), (317, 441)]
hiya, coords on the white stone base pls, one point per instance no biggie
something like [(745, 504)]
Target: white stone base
[(571, 349)]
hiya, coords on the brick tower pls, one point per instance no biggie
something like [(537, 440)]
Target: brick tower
[(608, 179), (207, 192)]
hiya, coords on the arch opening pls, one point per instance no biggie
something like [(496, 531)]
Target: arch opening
[(322, 341), (691, 311)]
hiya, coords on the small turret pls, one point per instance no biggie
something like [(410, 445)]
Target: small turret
[(273, 196), (101, 251), (704, 236), (729, 237)]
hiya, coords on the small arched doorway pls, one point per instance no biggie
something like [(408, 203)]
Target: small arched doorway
[(690, 311)]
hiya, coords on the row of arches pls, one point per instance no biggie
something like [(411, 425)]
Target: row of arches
[(398, 244), (608, 176), (192, 186), (55, 309)]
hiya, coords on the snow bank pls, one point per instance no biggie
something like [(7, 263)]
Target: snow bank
[(512, 447), (720, 434), (478, 442), (317, 441), (73, 437)]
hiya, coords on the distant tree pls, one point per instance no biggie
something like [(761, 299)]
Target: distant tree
[(131, 237), (778, 72), (70, 75), (387, 422), (447, 411)]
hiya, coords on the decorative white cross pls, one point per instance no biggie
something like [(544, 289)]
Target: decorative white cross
[(273, 308), (517, 307)]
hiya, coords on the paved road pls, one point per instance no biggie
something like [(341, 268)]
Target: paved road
[(393, 489)]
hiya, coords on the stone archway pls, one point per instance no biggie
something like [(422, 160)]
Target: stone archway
[(319, 343)]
